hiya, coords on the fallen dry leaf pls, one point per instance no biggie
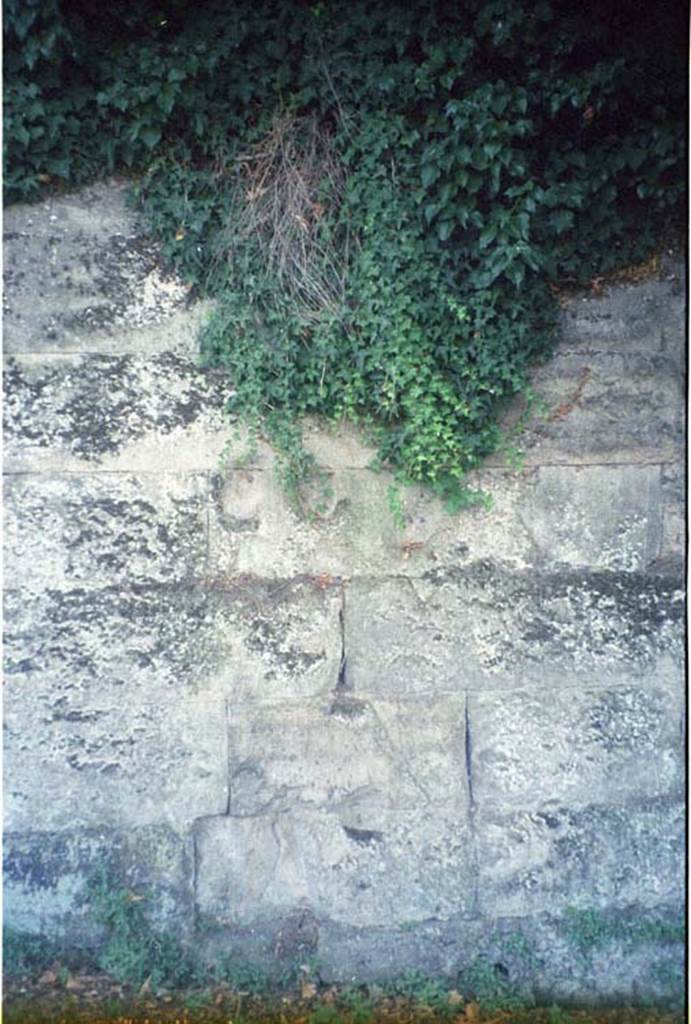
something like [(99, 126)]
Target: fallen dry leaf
[(472, 1011), (308, 989), (48, 978)]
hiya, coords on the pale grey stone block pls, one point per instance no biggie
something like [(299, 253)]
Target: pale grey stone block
[(414, 865), (556, 858), (93, 762), (600, 517), (94, 530), (572, 747), (48, 876), (126, 412), (357, 757), (480, 627), (90, 283)]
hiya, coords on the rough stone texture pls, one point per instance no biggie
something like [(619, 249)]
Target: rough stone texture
[(383, 748), (595, 857), (415, 865), (48, 877)]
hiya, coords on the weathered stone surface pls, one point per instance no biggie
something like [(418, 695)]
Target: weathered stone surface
[(119, 645), (282, 638), (253, 529), (673, 500), (242, 640), (80, 276), (611, 407), (47, 878), (388, 749), (600, 517), (554, 858), (592, 745), (415, 865), (626, 316), (97, 762), (75, 412), (91, 530), (481, 628), (354, 757)]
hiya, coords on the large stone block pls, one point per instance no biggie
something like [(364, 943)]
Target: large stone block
[(358, 757), (93, 530), (48, 878), (254, 530), (556, 858), (607, 407), (599, 517), (96, 763), (625, 316), (283, 638), (415, 865), (238, 639), (78, 282), (479, 627), (126, 412), (111, 644), (573, 747)]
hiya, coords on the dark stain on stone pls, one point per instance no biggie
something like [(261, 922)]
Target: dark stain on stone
[(268, 637), (549, 819), (166, 622), (238, 524), (345, 706), (76, 716), (363, 836), (96, 404), (297, 936)]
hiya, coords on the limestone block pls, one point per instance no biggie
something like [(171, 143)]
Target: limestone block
[(237, 640), (606, 407), (94, 762), (93, 530), (353, 756), (90, 282), (626, 316), (112, 644), (416, 864), (47, 879), (574, 747), (254, 530), (602, 517), (600, 857), (479, 627), (282, 639), (132, 413)]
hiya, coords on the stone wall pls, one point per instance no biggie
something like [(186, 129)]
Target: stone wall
[(334, 739)]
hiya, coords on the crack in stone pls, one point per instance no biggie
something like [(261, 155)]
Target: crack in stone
[(341, 682), (342, 702), (229, 765), (471, 801), (469, 759)]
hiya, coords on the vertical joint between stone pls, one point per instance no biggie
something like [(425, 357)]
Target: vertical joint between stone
[(341, 680)]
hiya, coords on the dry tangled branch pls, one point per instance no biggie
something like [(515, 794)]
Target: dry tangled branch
[(285, 186)]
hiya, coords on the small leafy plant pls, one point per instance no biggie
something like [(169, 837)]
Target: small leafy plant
[(133, 951)]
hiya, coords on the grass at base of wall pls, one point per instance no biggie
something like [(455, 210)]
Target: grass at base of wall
[(225, 1007)]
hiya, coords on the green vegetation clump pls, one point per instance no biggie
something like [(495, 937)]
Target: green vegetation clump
[(381, 197), (134, 951), (590, 929)]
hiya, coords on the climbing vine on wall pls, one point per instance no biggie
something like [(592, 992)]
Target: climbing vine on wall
[(381, 197)]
